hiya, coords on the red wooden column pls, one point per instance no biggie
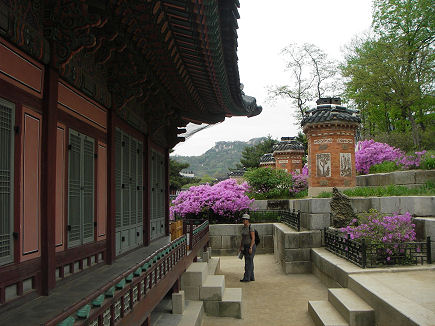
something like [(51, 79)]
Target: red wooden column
[(48, 208), (111, 195), (167, 191)]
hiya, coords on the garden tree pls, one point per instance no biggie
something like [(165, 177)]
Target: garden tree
[(311, 76), (177, 181), (267, 179), (302, 138), (204, 180), (251, 154), (390, 73)]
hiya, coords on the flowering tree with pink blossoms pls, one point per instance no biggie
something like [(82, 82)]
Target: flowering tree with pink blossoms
[(225, 199)]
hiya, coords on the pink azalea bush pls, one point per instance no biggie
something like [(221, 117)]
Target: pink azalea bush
[(382, 229), (370, 153), (300, 180), (224, 198), (388, 234)]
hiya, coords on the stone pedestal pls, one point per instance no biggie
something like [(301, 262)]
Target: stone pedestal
[(178, 303)]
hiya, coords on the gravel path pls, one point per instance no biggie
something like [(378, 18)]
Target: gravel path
[(274, 299)]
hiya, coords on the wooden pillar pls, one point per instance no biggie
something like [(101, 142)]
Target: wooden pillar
[(111, 193), (48, 209)]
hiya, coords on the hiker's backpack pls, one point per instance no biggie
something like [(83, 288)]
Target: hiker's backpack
[(257, 237)]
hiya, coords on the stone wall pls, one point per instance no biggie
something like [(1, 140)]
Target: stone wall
[(411, 178), (315, 212), (225, 238), (292, 248)]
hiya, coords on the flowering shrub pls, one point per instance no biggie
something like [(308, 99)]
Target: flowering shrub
[(386, 233), (224, 198), (300, 180), (371, 154), (376, 227), (411, 161)]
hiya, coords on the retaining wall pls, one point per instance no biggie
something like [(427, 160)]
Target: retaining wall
[(225, 238), (291, 248), (315, 212), (412, 178)]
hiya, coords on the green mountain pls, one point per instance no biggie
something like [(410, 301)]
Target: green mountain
[(218, 159)]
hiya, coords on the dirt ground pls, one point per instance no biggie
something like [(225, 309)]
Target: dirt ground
[(274, 299)]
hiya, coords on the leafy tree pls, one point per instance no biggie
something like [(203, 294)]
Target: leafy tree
[(390, 72), (267, 179), (176, 181), (302, 138), (311, 75), (205, 179), (251, 155)]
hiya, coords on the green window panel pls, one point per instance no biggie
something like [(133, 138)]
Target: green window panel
[(81, 184), (118, 177), (125, 180), (7, 121), (74, 189), (129, 191), (133, 181), (157, 177)]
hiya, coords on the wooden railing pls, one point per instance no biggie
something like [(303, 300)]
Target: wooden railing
[(194, 230), (113, 301)]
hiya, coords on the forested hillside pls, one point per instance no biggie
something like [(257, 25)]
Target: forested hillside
[(218, 159)]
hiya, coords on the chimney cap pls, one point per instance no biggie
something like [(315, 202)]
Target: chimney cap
[(329, 100)]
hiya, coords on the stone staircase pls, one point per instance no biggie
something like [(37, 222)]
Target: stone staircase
[(343, 308), (199, 282)]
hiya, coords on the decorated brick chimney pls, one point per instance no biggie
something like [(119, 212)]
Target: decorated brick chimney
[(330, 129), (288, 154), (267, 161)]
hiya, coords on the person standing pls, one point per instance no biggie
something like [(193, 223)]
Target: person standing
[(248, 247)]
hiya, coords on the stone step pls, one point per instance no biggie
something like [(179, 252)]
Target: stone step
[(230, 306), (213, 288), (195, 275), (393, 306), (354, 309), (193, 314), (323, 313), (214, 264)]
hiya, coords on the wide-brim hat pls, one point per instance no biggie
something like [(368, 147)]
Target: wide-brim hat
[(246, 217)]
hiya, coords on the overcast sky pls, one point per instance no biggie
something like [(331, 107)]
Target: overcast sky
[(265, 28)]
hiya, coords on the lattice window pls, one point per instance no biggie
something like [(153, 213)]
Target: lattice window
[(7, 114)]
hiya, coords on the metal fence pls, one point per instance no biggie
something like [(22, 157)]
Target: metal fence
[(290, 218), (365, 254)]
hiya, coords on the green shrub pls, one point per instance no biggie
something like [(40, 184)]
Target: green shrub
[(428, 189), (384, 167), (428, 161)]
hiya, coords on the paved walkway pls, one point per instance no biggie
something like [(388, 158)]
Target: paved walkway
[(274, 299)]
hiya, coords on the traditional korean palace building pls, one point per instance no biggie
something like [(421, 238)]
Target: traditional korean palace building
[(92, 98)]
